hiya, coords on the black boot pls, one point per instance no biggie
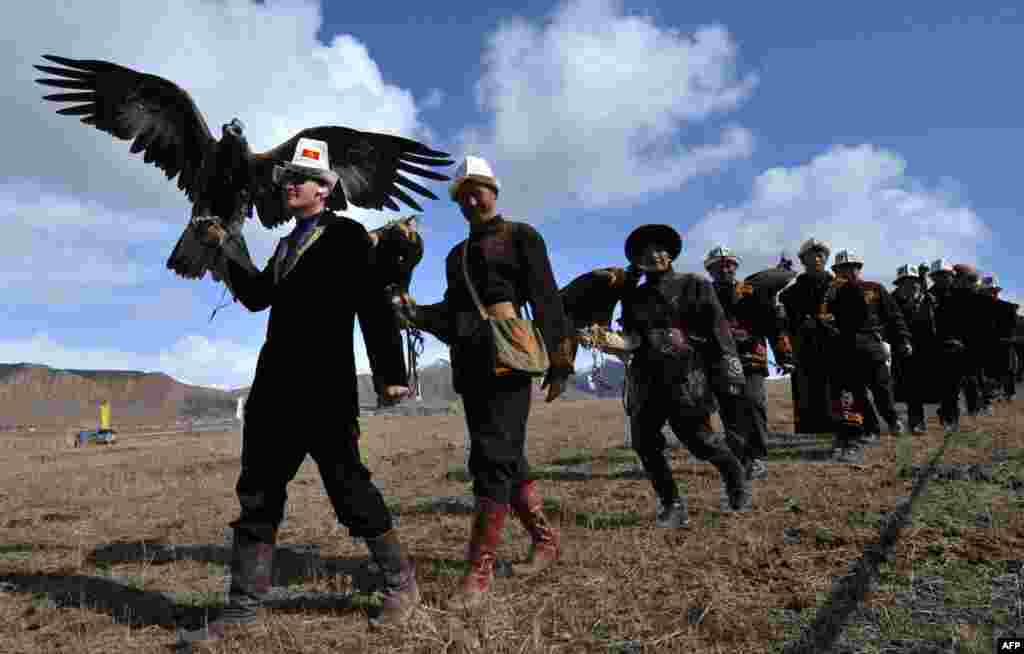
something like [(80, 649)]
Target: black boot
[(252, 564), (737, 487), (401, 593), (252, 567)]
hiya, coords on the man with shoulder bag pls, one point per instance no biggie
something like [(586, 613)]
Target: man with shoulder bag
[(495, 355)]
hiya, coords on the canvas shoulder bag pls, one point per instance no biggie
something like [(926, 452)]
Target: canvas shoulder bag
[(518, 345)]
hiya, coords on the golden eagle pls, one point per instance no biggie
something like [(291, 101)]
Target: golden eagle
[(398, 249), (590, 299), (223, 178)]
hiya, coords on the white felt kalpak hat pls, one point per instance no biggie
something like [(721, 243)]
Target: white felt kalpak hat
[(718, 253), (311, 158), (847, 258), (475, 169)]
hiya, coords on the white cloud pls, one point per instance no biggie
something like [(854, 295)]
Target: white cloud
[(82, 208), (192, 359), (60, 249), (589, 109), (857, 198)]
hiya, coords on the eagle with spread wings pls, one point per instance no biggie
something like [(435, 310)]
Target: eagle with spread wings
[(223, 178)]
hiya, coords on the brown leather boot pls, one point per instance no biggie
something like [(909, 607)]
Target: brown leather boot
[(401, 592), (545, 546), (252, 564), (484, 539)]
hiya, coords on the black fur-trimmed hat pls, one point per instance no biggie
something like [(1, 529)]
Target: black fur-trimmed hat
[(644, 235)]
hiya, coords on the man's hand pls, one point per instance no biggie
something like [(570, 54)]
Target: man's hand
[(555, 387), (391, 395), (405, 310), (213, 236)]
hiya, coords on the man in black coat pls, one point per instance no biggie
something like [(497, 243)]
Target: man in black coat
[(508, 266), (811, 333), (955, 308), (967, 279), (865, 317), (756, 319), (319, 279), (683, 356), (1001, 364), (914, 374)]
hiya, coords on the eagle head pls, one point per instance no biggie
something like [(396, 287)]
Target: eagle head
[(234, 130)]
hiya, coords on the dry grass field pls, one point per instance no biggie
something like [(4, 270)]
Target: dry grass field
[(103, 548)]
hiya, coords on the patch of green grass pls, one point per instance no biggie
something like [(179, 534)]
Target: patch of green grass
[(968, 584), (601, 631), (450, 568), (458, 473), (899, 624), (394, 506), (824, 536), (607, 520), (15, 552), (41, 600), (573, 457), (548, 472), (890, 580), (784, 454), (792, 505), (136, 582), (104, 569), (201, 599), (953, 506), (622, 455), (552, 505), (364, 601), (712, 519), (214, 569), (864, 519), (904, 455), (972, 439)]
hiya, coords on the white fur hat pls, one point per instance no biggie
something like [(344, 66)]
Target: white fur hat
[(474, 169)]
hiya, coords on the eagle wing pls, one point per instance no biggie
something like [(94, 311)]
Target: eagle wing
[(159, 115), (767, 283), (369, 167)]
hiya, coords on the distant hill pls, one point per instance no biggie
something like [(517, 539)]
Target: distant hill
[(34, 394)]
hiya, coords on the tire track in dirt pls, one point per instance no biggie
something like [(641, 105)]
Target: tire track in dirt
[(849, 591)]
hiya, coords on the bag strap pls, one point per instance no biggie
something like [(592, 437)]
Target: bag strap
[(469, 282)]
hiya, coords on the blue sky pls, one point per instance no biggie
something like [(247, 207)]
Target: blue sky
[(894, 133)]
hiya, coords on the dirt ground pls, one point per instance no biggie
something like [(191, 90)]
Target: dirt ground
[(82, 532)]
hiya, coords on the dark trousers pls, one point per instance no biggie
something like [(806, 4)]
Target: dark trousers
[(746, 420), (858, 371), (958, 375), (496, 414), (914, 374), (272, 454), (872, 425), (689, 427)]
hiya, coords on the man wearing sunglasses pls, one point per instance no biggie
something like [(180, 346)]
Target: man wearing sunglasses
[(319, 279)]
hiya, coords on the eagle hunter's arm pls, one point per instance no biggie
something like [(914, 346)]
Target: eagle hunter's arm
[(250, 286), (548, 310), (726, 370), (377, 319)]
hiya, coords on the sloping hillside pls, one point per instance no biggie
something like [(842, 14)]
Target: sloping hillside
[(33, 394)]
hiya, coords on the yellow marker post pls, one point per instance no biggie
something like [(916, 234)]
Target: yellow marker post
[(105, 415)]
